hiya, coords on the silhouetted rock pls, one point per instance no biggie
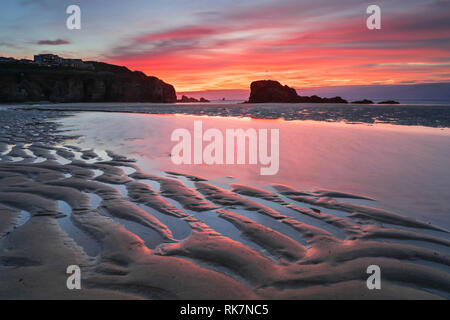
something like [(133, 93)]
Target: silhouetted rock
[(186, 99), (389, 102), (107, 83), (263, 91), (271, 91), (365, 101), (333, 100)]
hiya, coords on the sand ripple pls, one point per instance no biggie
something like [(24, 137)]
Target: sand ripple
[(134, 242)]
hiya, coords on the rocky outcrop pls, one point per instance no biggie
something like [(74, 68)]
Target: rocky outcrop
[(106, 83), (186, 99), (365, 101), (264, 91), (271, 91), (389, 102), (316, 99)]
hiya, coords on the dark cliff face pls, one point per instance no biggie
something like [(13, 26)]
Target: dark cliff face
[(107, 83), (263, 91)]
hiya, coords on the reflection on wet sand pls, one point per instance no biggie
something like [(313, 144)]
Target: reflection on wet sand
[(171, 234)]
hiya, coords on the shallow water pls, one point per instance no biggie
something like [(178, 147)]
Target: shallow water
[(405, 168), (81, 238)]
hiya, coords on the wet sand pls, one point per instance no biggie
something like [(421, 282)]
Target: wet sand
[(433, 115), (170, 234)]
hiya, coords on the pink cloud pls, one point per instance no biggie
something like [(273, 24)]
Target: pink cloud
[(244, 46)]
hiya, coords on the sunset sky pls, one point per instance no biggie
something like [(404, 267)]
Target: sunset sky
[(222, 44)]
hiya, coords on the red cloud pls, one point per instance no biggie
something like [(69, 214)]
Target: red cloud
[(232, 52)]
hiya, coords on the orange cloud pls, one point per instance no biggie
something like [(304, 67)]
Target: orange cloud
[(230, 54)]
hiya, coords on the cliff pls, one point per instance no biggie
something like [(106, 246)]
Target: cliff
[(263, 91), (106, 83)]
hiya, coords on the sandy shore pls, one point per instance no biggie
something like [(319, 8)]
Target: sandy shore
[(140, 235)]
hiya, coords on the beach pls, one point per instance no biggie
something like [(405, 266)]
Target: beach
[(93, 185)]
